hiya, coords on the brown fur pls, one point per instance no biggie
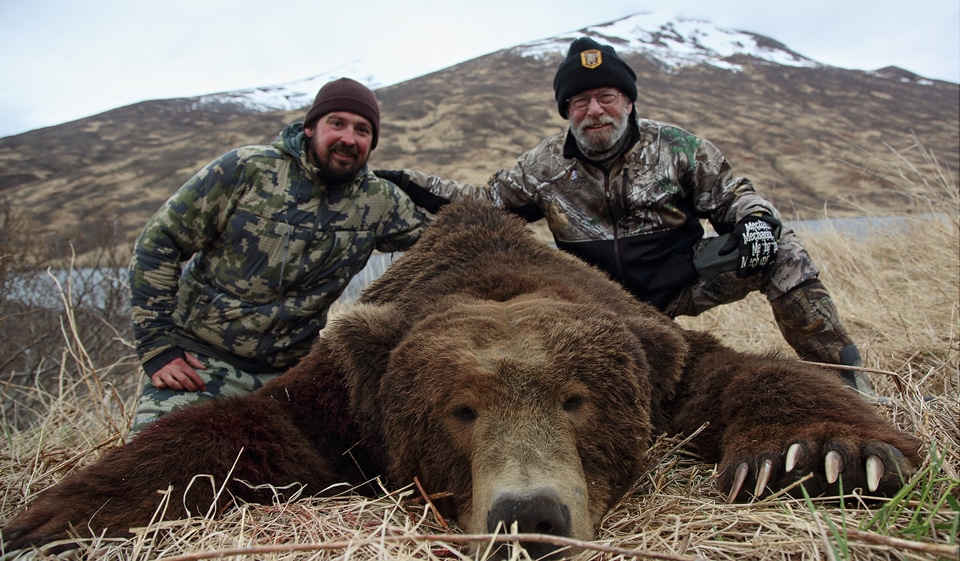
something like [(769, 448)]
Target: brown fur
[(511, 375)]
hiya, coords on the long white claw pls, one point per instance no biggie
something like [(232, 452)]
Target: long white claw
[(763, 477), (833, 465), (792, 454), (875, 472), (742, 471)]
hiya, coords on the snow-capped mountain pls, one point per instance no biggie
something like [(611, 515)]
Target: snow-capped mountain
[(675, 43), (669, 42)]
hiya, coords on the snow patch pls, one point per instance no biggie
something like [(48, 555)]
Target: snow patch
[(285, 97)]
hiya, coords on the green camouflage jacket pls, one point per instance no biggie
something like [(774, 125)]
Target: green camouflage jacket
[(265, 249), (637, 217)]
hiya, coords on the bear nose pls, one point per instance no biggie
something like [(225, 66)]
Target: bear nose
[(534, 512)]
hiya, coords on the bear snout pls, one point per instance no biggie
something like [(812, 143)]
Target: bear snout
[(539, 511)]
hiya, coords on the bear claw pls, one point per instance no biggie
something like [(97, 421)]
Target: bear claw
[(833, 465), (738, 479), (766, 470), (875, 472), (792, 453)]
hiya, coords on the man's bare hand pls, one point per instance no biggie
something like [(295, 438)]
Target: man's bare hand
[(180, 374)]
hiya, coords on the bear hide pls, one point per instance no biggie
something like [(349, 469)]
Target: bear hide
[(509, 374)]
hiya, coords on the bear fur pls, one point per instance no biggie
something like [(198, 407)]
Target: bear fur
[(513, 376)]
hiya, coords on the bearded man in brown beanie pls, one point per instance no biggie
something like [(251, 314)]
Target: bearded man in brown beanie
[(627, 195), (232, 278)]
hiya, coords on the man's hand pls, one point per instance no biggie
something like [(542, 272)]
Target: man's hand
[(755, 239), (417, 193), (395, 176), (180, 374)]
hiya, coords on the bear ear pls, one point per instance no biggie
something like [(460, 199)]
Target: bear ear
[(361, 341), (665, 347)]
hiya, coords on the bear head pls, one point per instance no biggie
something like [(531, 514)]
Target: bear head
[(534, 411)]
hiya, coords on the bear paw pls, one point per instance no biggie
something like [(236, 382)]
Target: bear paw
[(833, 467)]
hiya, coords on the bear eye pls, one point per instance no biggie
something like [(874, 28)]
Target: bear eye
[(574, 403), (464, 414)]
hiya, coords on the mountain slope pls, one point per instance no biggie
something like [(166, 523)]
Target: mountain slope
[(800, 130)]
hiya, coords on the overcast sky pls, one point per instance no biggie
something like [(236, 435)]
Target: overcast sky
[(62, 60)]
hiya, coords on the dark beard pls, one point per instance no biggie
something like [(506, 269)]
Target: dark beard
[(332, 176)]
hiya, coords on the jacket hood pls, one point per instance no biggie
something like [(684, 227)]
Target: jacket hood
[(291, 140)]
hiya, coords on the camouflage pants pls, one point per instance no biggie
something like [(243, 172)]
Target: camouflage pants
[(792, 268), (221, 379), (801, 305)]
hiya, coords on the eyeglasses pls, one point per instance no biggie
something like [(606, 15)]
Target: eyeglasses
[(605, 100)]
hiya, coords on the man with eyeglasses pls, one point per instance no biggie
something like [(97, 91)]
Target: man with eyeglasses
[(627, 195)]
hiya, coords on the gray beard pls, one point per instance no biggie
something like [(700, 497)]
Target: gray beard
[(607, 150), (604, 155)]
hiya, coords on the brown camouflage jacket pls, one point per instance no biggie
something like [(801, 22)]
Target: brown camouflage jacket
[(638, 217), (265, 249)]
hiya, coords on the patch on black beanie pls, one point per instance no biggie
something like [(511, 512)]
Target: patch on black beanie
[(590, 65)]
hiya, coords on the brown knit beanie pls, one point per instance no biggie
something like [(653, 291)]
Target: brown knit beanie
[(346, 95)]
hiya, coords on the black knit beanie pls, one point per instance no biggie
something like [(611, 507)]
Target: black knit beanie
[(591, 65), (346, 95)]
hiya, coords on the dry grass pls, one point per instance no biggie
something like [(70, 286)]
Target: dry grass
[(898, 288)]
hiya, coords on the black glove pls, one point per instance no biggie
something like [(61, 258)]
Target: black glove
[(420, 196), (755, 239), (395, 176)]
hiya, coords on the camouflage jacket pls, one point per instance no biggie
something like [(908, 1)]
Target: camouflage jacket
[(637, 217), (244, 260)]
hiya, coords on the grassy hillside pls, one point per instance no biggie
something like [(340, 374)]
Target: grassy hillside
[(898, 288)]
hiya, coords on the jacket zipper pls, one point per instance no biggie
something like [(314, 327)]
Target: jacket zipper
[(616, 225)]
